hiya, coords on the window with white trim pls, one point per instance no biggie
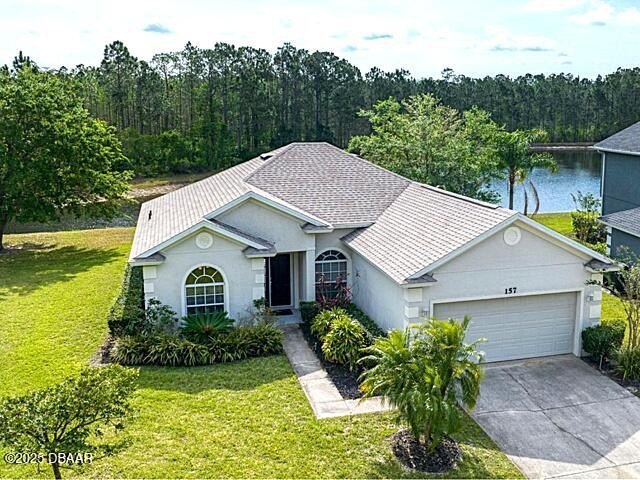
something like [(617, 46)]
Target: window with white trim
[(204, 291), (331, 269)]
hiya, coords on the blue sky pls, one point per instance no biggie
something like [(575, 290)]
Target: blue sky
[(477, 38)]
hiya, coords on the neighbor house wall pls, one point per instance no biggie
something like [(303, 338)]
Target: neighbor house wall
[(244, 278), (620, 183), (533, 266), (620, 239)]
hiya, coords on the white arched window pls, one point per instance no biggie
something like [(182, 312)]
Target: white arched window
[(204, 291), (331, 269)]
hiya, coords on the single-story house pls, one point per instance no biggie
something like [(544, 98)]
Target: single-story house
[(619, 187), (273, 226)]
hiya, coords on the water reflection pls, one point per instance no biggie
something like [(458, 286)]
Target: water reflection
[(578, 171)]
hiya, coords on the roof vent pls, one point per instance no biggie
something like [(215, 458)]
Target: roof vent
[(150, 213)]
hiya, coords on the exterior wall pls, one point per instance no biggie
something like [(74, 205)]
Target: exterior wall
[(376, 294), (619, 239), (244, 278), (535, 265), (262, 221), (620, 183)]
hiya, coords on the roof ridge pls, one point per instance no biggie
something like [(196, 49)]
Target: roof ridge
[(459, 196), (269, 160)]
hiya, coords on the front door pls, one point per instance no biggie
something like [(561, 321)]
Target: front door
[(278, 284)]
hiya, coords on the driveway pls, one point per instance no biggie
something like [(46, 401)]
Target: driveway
[(558, 417)]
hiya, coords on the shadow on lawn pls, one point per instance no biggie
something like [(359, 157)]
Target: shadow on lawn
[(243, 375), (24, 270)]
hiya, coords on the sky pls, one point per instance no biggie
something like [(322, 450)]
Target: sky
[(475, 38)]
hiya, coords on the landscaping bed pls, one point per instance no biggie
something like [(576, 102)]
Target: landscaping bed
[(608, 370)]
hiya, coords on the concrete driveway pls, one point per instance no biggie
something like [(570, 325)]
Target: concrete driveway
[(558, 417)]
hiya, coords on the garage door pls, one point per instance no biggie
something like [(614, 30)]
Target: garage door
[(518, 327)]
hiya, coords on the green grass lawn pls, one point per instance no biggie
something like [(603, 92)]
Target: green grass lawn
[(246, 419)]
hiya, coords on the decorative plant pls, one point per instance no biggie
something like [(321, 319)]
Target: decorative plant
[(602, 341), (69, 418), (332, 294), (426, 372), (344, 341), (321, 323), (201, 326), (262, 313)]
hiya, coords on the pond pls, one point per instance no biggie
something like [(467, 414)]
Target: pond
[(578, 170)]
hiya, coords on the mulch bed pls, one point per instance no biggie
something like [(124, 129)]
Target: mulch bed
[(414, 455), (345, 380), (607, 369), (103, 355)]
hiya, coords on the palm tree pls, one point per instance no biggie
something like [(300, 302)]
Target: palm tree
[(426, 372), (517, 161)]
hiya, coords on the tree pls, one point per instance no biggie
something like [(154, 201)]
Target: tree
[(70, 418), (429, 142), (425, 372), (516, 160), (53, 155)]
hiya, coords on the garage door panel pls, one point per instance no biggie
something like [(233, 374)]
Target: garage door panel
[(518, 327)]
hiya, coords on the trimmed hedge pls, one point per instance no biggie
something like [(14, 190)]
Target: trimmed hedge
[(174, 350), (308, 311), (602, 341), (127, 312)]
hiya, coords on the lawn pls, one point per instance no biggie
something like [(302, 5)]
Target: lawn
[(246, 419)]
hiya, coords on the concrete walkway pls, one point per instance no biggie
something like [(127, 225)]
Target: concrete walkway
[(324, 397), (558, 418)]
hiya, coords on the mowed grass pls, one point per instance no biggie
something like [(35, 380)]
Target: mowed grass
[(561, 223), (245, 419)]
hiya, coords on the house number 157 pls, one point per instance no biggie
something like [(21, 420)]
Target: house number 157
[(510, 290)]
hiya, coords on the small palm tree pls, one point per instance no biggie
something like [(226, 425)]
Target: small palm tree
[(426, 372)]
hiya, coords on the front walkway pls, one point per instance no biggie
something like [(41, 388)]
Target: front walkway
[(322, 394), (560, 418)]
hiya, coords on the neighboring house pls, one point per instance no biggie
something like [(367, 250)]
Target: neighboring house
[(621, 188), (270, 227)]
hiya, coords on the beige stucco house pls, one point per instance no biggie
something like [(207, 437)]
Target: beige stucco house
[(271, 226)]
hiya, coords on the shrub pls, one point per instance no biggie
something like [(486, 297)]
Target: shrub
[(173, 350), (584, 220), (344, 342), (321, 323), (201, 326), (308, 310), (159, 319), (71, 417), (127, 316), (426, 372), (601, 341), (628, 363), (372, 329), (262, 313)]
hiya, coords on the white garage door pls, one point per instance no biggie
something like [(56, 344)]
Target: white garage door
[(518, 327)]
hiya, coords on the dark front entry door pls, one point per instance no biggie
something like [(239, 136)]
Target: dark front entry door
[(278, 285)]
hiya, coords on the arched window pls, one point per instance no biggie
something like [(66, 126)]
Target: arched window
[(204, 291), (331, 270)]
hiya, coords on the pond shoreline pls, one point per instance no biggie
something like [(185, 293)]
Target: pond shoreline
[(562, 147)]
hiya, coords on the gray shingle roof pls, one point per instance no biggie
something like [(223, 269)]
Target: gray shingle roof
[(328, 182), (627, 140), (422, 226), (626, 220), (412, 225)]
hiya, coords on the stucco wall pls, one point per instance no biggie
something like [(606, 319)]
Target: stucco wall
[(532, 266), (281, 229), (376, 294), (241, 275), (621, 180)]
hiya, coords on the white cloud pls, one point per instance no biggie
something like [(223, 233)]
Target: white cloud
[(600, 13), (501, 39), (541, 6)]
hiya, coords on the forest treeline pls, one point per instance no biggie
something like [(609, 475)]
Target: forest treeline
[(205, 108)]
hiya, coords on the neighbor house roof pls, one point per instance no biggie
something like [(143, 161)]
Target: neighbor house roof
[(627, 221), (422, 226), (625, 141)]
